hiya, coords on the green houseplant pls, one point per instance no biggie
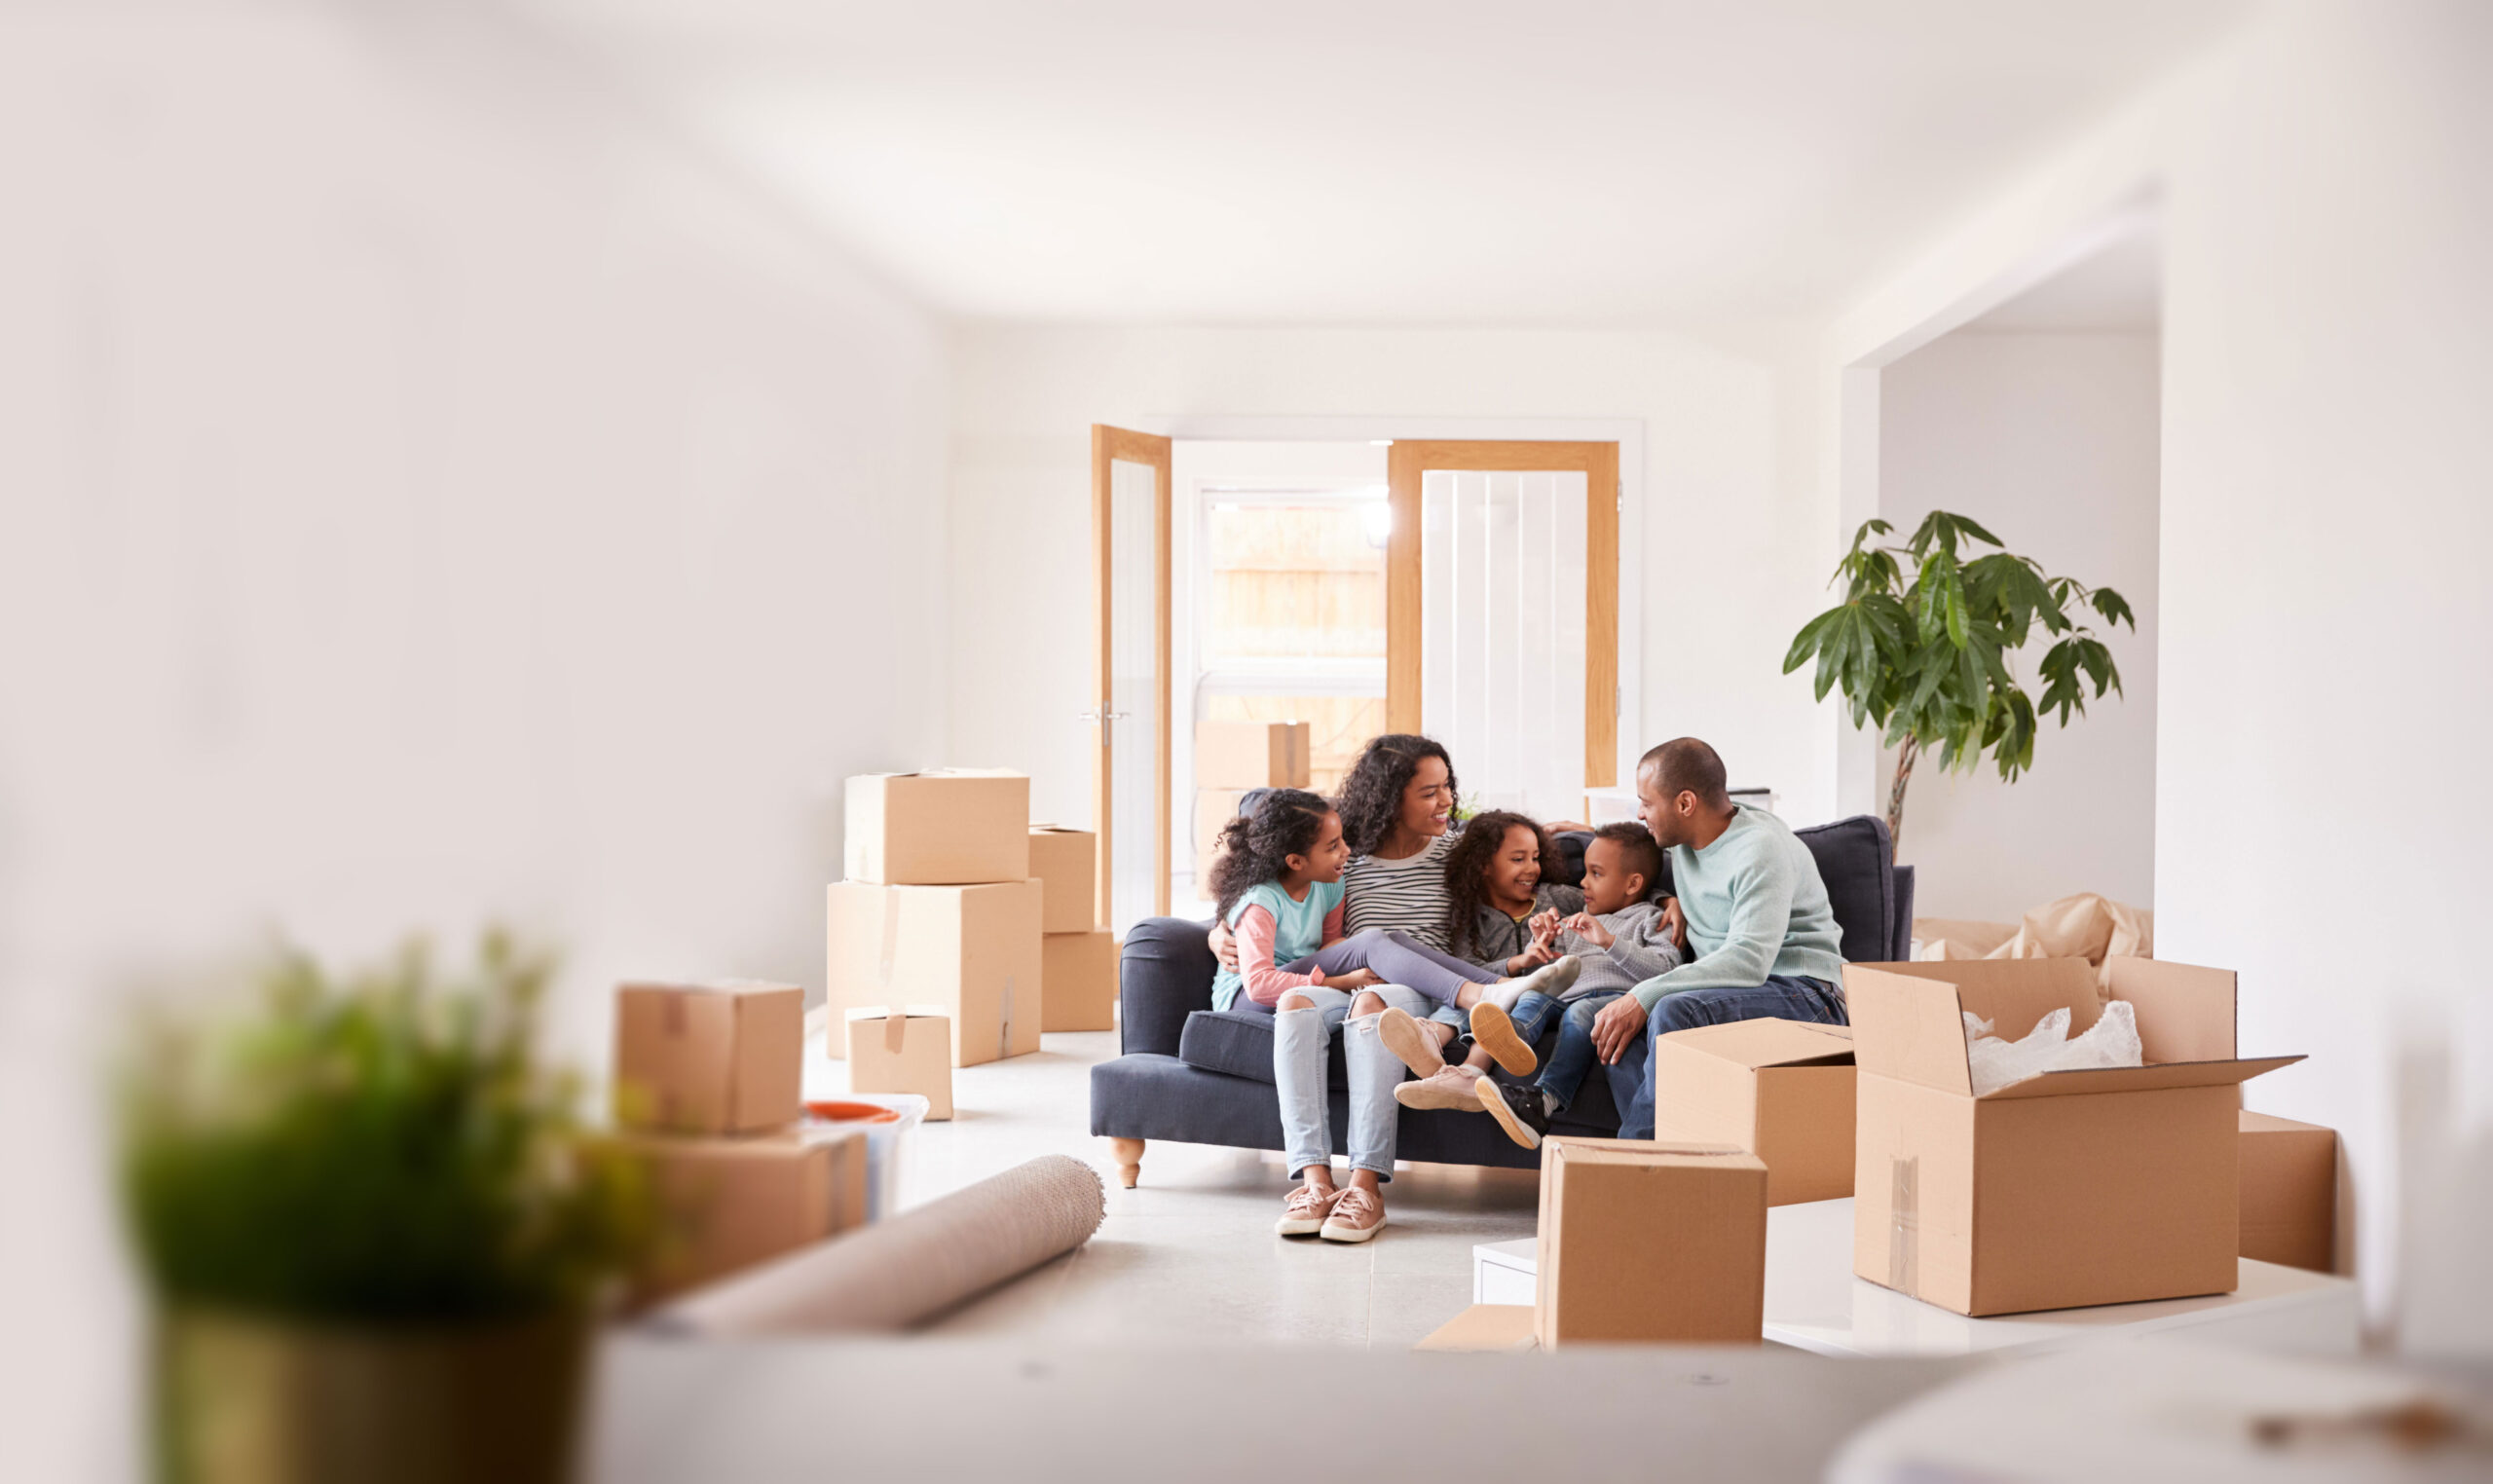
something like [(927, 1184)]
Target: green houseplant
[(374, 1234), (1926, 658)]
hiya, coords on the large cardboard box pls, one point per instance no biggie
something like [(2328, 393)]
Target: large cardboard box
[(1068, 862), (901, 1050), (944, 828), (971, 951), (1078, 980), (718, 1058), (1782, 1090), (1645, 1241), (726, 1203), (2103, 1186), (1251, 754), (1214, 809), (2289, 1192)]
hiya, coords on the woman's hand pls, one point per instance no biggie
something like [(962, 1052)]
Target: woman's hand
[(1223, 946), (1356, 979), (1588, 927), (1616, 1026), (1677, 924)]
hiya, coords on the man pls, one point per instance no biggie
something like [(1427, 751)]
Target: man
[(1761, 939)]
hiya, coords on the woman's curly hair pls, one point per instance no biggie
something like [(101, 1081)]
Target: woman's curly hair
[(1371, 797), (1466, 871), (1256, 848)]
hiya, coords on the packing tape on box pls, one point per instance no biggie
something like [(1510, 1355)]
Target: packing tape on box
[(1904, 1225), (909, 1268), (1004, 1032), (894, 1031)]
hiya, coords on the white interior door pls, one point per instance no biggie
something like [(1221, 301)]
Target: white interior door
[(1130, 510)]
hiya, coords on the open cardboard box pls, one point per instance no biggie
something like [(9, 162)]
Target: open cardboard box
[(2103, 1186), (1782, 1090)]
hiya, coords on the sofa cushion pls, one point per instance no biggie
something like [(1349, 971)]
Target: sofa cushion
[(1857, 861), (1240, 1042)]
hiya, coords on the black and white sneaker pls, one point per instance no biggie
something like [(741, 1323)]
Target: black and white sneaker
[(1519, 1110)]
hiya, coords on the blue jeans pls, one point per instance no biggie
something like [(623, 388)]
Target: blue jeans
[(1570, 1060), (1782, 997), (1299, 1039)]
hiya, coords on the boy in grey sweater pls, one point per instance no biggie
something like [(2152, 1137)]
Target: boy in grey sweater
[(1618, 937)]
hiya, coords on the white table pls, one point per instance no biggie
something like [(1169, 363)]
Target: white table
[(1814, 1303)]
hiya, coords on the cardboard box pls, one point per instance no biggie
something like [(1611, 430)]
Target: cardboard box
[(2103, 1186), (1214, 809), (1644, 1242), (1251, 754), (720, 1057), (1781, 1090), (1497, 1327), (2289, 1192), (971, 951), (1078, 980), (901, 1051), (727, 1204), (1068, 862), (948, 827)]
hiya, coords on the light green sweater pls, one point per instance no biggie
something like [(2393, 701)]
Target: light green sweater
[(1755, 906)]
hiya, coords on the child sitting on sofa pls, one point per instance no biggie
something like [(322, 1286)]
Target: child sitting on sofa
[(1279, 883), (1516, 920)]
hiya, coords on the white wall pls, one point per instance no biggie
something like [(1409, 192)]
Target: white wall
[(1734, 555), (2322, 792), (2050, 440), (425, 496)]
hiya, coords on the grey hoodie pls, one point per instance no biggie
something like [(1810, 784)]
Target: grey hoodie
[(1641, 944)]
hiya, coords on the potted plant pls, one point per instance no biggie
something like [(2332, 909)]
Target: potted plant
[(375, 1237), (1926, 658)]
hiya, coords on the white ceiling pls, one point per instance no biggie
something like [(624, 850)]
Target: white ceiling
[(1672, 161), (2120, 287)]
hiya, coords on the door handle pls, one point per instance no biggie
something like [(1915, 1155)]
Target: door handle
[(1101, 713)]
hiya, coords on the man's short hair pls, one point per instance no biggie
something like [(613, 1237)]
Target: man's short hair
[(1685, 766), (1638, 853)]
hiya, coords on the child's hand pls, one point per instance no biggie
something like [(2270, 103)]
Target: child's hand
[(1588, 927), (1544, 925), (1531, 958)]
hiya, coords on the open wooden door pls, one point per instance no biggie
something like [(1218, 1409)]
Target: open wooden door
[(1490, 647), (1131, 477)]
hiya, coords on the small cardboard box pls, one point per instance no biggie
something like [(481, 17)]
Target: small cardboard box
[(726, 1203), (1643, 1242), (901, 1051), (1214, 809), (1483, 1327), (1078, 980), (1251, 754), (2289, 1192), (971, 951), (1782, 1090), (720, 1057), (948, 827), (2102, 1186), (1068, 862)]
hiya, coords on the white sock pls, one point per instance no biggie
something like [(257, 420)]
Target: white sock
[(1505, 992)]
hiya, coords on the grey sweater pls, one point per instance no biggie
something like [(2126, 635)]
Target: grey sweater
[(1640, 948)]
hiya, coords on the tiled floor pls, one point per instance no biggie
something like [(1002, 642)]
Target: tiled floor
[(1190, 1253)]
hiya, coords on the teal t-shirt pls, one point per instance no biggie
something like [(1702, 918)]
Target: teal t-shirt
[(1299, 929)]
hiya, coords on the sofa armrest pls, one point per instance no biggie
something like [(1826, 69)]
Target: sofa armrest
[(1164, 975)]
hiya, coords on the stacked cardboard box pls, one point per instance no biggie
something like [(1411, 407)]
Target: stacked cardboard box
[(2106, 1185), (2289, 1192), (707, 1081), (1643, 1242), (1231, 757), (1078, 957), (940, 909)]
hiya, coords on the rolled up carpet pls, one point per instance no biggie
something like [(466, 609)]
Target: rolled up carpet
[(911, 1267)]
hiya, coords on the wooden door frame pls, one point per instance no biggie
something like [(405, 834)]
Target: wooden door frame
[(1110, 446), (1405, 462)]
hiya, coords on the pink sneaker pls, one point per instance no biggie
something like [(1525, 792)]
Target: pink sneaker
[(1303, 1213), (1356, 1217)]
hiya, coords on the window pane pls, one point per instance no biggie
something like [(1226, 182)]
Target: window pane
[(1338, 727), (1294, 581)]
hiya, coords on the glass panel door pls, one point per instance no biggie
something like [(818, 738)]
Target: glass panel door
[(1130, 521)]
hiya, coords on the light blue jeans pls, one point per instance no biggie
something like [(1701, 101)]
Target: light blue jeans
[(1299, 1039)]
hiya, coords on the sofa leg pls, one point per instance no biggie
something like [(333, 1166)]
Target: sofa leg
[(1128, 1160)]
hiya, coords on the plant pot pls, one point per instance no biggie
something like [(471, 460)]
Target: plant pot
[(247, 1399)]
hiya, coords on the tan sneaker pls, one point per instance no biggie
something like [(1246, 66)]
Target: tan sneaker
[(1496, 1034), (1452, 1087), (1303, 1213), (1356, 1217), (1410, 1042)]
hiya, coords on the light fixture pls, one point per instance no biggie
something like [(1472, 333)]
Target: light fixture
[(1377, 517)]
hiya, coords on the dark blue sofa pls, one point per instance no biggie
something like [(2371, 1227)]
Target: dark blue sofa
[(1188, 1072)]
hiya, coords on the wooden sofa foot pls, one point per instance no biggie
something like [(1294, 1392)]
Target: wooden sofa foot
[(1128, 1160)]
